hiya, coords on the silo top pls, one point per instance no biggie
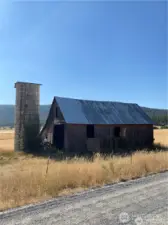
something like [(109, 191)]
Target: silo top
[(28, 83)]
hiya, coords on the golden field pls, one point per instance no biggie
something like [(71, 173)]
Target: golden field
[(6, 140), (161, 136), (23, 178)]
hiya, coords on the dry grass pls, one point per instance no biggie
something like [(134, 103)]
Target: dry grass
[(6, 140), (161, 136), (23, 178)]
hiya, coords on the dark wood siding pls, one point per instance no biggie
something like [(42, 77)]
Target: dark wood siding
[(134, 136), (76, 138)]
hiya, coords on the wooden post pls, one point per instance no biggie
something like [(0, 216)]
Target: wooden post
[(48, 161)]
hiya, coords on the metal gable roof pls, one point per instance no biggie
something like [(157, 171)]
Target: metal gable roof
[(101, 112)]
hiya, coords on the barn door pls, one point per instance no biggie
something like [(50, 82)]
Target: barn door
[(59, 136)]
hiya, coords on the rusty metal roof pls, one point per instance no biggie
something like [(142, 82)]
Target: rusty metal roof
[(101, 112)]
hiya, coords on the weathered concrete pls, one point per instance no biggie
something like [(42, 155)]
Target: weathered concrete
[(26, 113)]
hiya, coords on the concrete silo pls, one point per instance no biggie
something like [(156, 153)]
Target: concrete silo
[(27, 121)]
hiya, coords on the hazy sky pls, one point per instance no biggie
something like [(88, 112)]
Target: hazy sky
[(85, 49)]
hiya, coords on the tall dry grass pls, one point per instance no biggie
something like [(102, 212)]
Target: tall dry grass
[(25, 181)]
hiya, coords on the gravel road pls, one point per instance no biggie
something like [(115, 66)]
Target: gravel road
[(143, 201)]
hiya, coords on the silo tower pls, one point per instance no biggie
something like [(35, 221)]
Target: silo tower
[(27, 121)]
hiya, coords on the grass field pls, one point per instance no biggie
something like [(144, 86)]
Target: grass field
[(161, 136), (23, 178), (6, 140)]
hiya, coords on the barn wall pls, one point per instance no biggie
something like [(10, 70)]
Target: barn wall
[(76, 138), (134, 135), (104, 134), (139, 135), (131, 136)]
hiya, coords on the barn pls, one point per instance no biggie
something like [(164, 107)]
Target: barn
[(80, 126)]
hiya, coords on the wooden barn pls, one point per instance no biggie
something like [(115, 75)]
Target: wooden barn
[(100, 126)]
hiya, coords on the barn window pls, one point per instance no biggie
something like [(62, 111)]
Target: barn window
[(117, 131), (90, 131)]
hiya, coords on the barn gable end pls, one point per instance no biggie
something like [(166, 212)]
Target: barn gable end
[(55, 116)]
